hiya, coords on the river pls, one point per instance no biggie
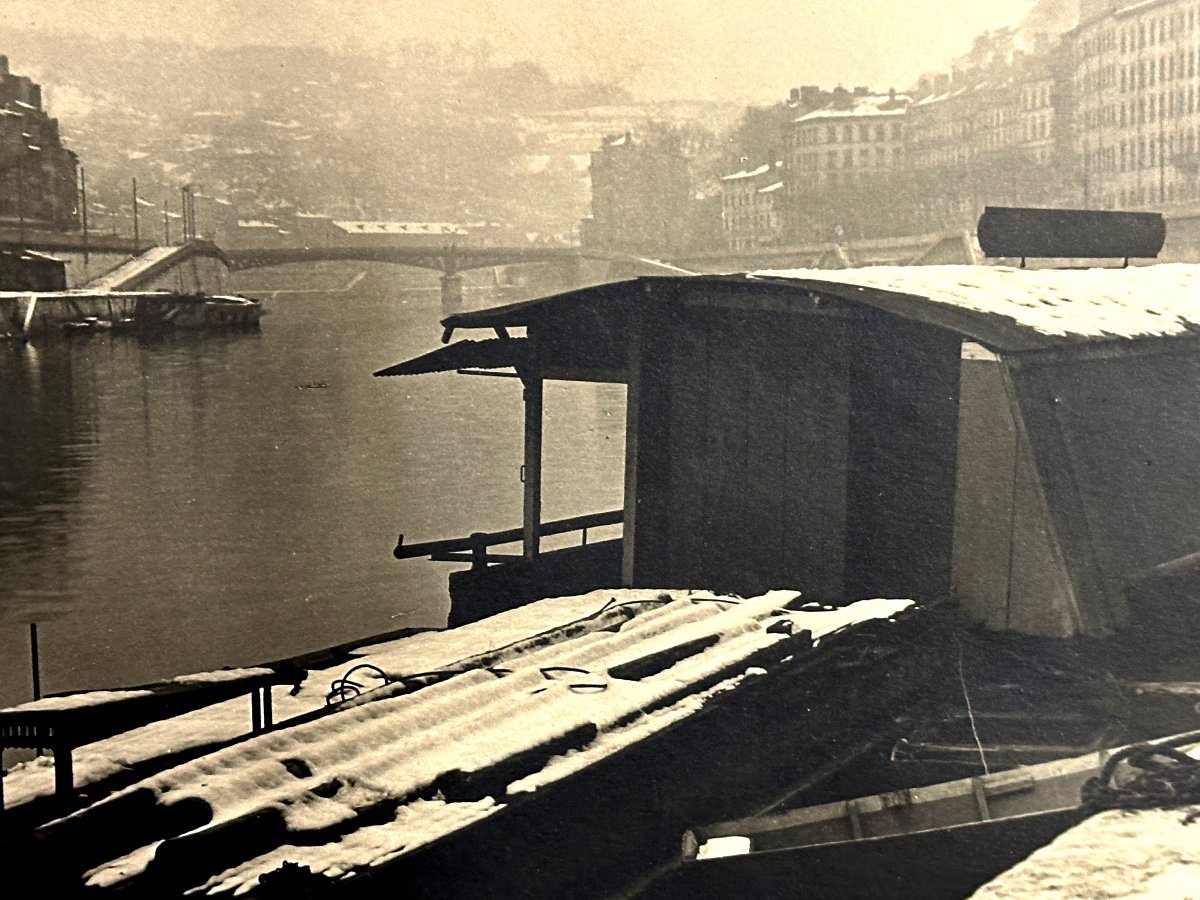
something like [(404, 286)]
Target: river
[(192, 501)]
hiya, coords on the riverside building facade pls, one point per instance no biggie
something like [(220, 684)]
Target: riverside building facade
[(1136, 87), (750, 212), (838, 157), (38, 176)]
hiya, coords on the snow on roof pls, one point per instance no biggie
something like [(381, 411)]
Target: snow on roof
[(771, 188), (386, 749), (869, 105), (747, 173), (423, 652), (1137, 7), (363, 227), (255, 223), (77, 701), (1134, 302)]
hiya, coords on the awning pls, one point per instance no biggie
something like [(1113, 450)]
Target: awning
[(495, 353)]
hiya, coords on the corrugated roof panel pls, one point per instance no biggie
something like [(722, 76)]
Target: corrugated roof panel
[(595, 690), (491, 354)]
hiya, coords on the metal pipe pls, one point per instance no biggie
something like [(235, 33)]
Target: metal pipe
[(136, 235), (531, 539), (21, 199), (83, 208)]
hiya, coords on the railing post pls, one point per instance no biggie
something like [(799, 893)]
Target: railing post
[(533, 465), (479, 549)]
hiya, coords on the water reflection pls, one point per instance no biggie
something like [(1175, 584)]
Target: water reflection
[(202, 500)]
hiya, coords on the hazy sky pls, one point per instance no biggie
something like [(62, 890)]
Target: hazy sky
[(700, 48)]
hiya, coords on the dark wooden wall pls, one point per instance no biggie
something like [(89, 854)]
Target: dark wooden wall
[(741, 451), (903, 444), (801, 446)]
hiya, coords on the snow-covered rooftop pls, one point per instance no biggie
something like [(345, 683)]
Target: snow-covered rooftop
[(363, 227), (1133, 8), (867, 105), (1083, 304), (747, 173), (1005, 308)]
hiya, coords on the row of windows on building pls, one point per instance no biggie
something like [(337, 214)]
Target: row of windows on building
[(865, 157), (1147, 152), (850, 134), (1137, 76), (1137, 36), (1151, 108), (1165, 190)]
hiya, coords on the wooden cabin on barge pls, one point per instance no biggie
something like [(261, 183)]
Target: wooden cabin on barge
[(1026, 441)]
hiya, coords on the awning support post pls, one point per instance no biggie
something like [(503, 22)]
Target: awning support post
[(532, 520)]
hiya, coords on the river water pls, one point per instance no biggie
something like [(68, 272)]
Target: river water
[(193, 501)]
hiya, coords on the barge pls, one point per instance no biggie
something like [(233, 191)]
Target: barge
[(32, 314), (929, 458)]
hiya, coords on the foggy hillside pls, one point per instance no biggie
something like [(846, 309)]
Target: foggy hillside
[(425, 133)]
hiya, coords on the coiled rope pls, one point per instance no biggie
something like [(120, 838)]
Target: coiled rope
[(1164, 776)]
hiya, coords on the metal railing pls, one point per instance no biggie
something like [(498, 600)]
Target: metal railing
[(474, 548)]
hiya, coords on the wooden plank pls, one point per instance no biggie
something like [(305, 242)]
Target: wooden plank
[(1034, 404), (765, 395), (532, 508), (903, 446), (984, 498), (816, 419), (632, 447), (507, 536), (725, 516), (655, 509), (691, 451)]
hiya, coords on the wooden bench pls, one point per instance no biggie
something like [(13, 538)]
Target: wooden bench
[(62, 722)]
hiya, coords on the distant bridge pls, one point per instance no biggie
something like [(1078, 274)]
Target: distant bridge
[(450, 260)]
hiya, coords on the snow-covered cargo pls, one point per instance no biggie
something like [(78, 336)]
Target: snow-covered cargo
[(588, 745)]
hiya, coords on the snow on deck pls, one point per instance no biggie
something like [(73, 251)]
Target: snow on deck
[(557, 695), (1119, 853), (423, 652), (1134, 302), (1142, 853), (77, 701)]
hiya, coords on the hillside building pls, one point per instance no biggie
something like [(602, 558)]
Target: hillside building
[(641, 195), (751, 211), (985, 136), (837, 157), (38, 176)]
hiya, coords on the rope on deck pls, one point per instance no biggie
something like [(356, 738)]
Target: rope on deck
[(1161, 777)]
